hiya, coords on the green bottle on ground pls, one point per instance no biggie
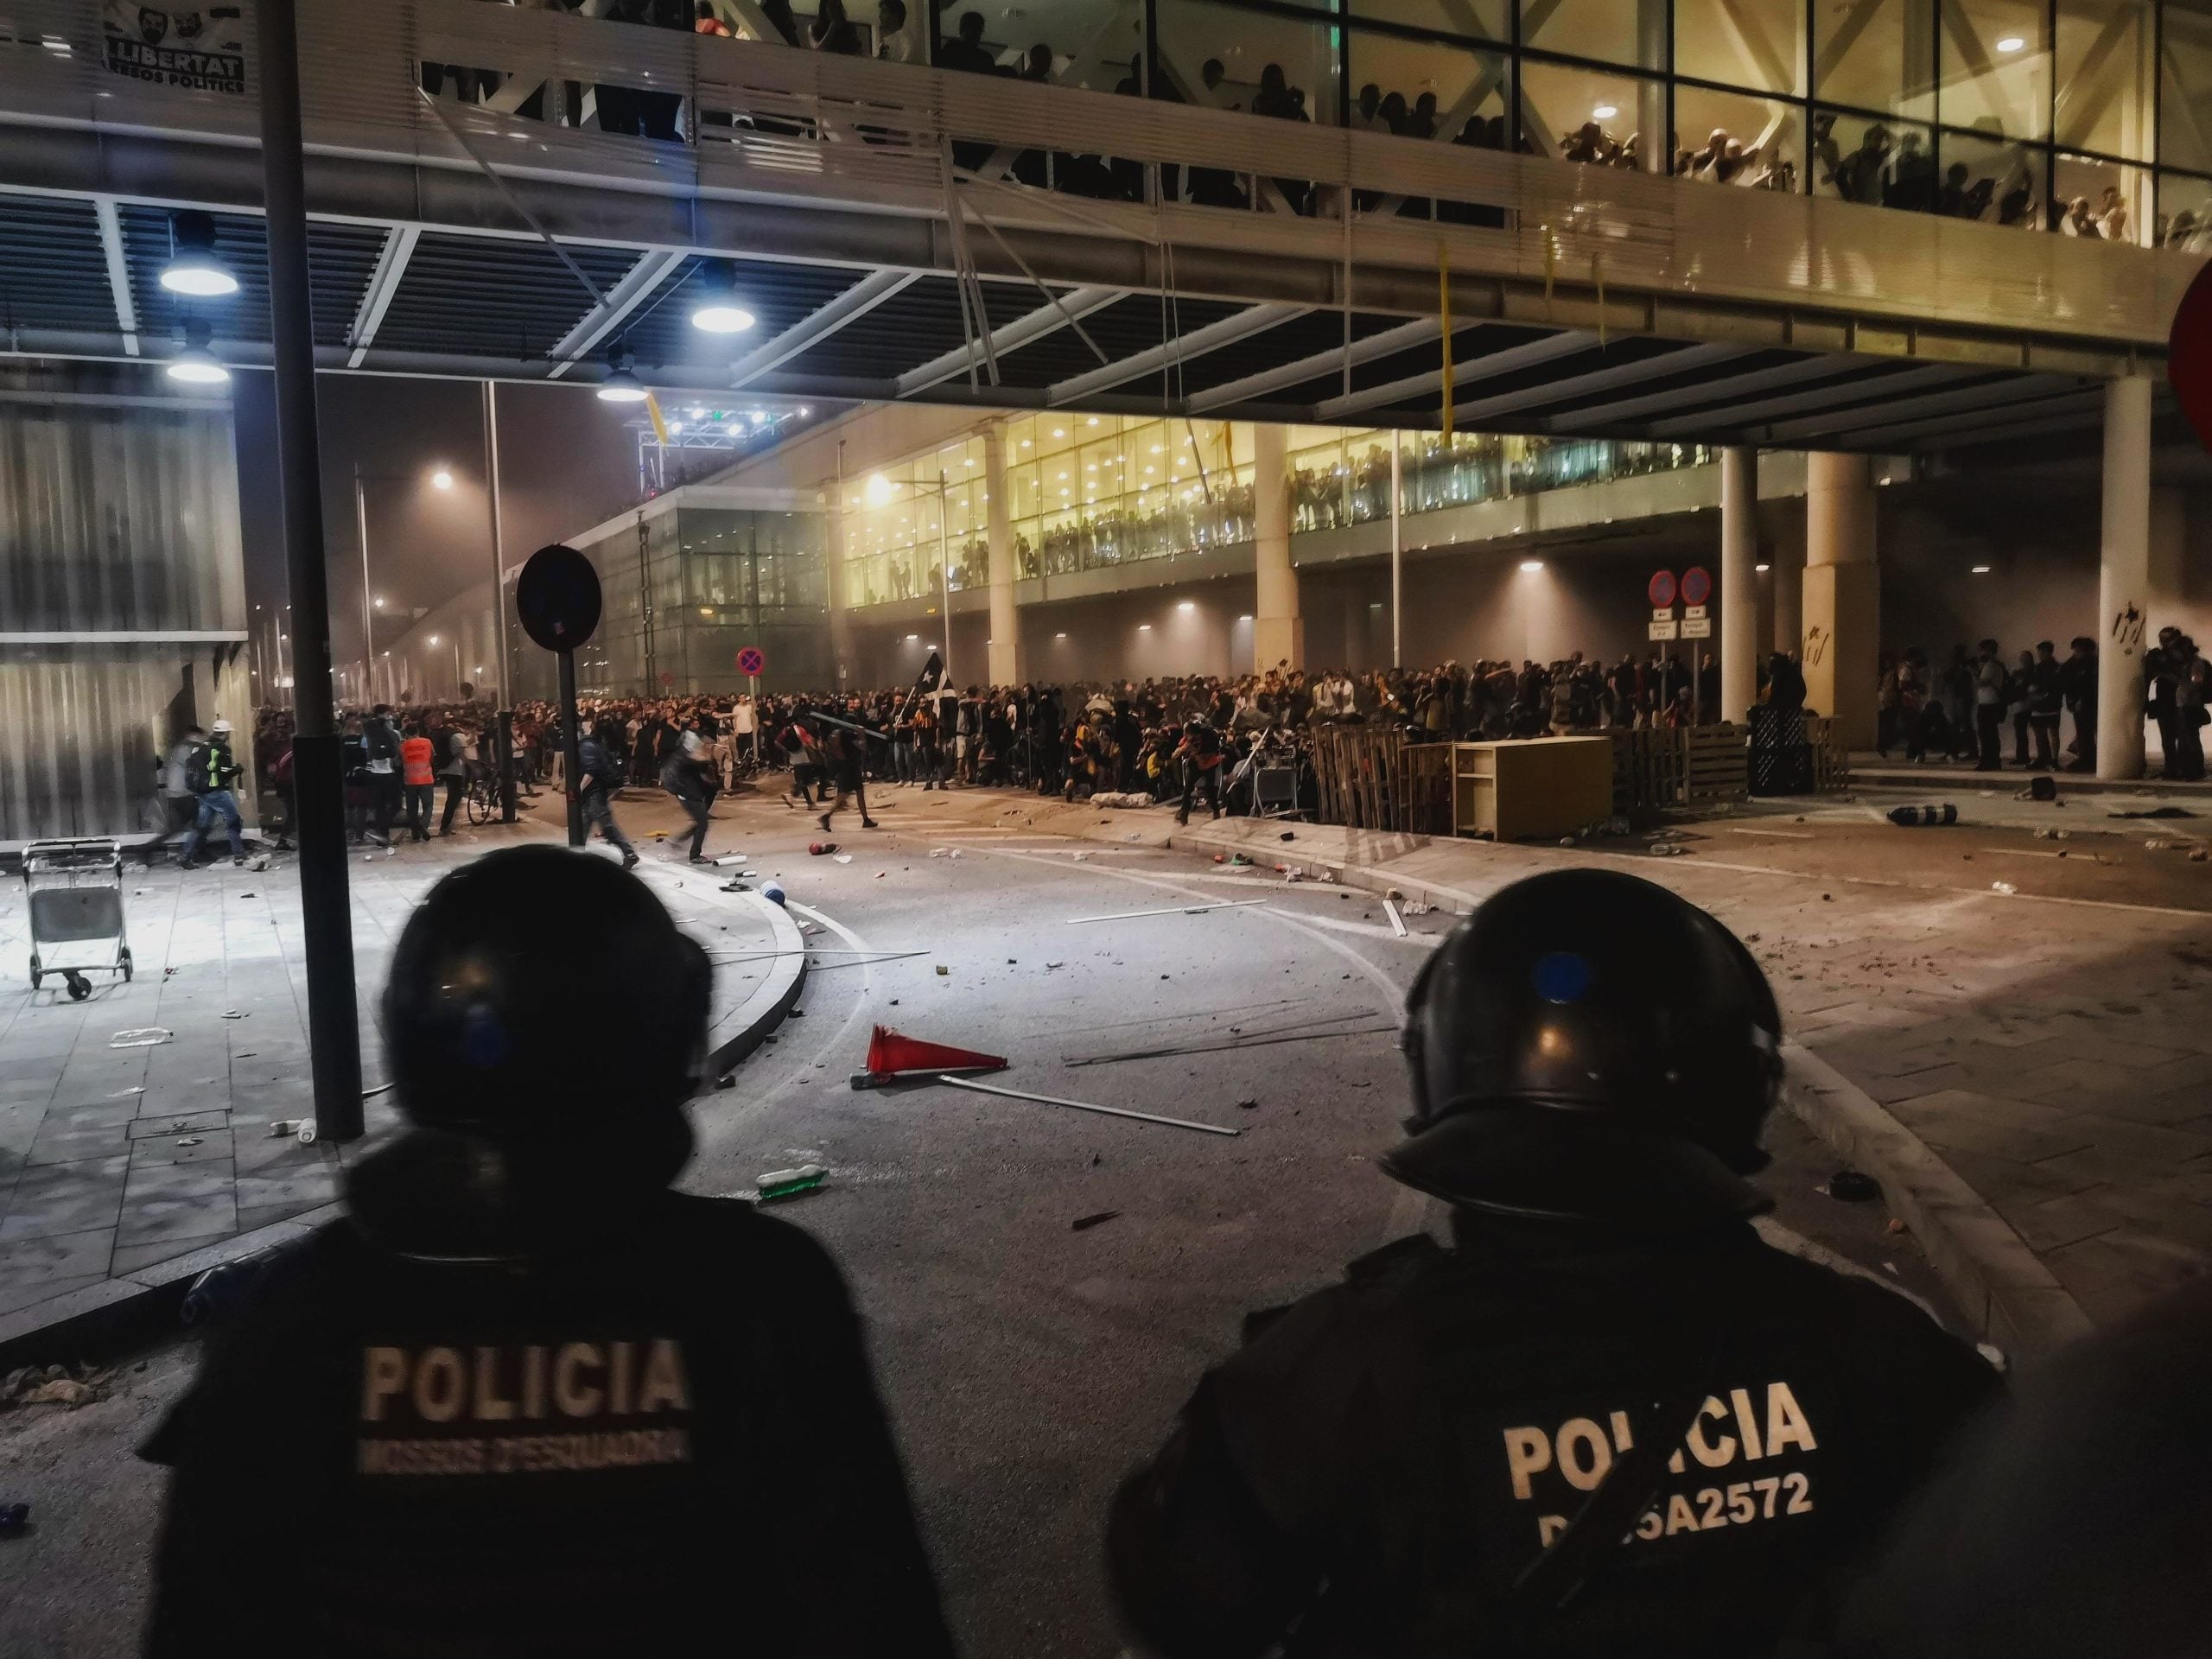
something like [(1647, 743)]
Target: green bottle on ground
[(791, 1183)]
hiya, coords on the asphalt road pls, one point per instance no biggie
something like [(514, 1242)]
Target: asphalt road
[(1026, 1364)]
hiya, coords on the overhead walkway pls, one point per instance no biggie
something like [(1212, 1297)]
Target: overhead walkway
[(862, 212)]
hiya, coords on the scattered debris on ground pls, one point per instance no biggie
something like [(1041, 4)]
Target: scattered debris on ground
[(145, 1037), (1853, 1187), (55, 1385), (779, 1183), (1085, 1223), (1910, 818)]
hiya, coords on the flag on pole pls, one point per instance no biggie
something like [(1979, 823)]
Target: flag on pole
[(659, 420)]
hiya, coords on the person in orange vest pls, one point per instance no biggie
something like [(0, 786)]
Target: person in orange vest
[(420, 781)]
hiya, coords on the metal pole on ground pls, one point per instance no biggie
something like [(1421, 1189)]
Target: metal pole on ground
[(506, 699), (326, 911)]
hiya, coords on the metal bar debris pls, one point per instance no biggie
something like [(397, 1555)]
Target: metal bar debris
[(1081, 1106), (1174, 910)]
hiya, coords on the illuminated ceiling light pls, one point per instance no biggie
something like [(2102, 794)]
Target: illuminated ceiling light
[(1059, 636), (622, 385), (1144, 628), (196, 366), (442, 479), (434, 639), (1761, 569), (1093, 420), (805, 410), (2012, 43), (194, 268), (718, 311), (1531, 566), (1243, 618), (1603, 112), (758, 416), (877, 489), (1980, 570), (1187, 605), (380, 603)]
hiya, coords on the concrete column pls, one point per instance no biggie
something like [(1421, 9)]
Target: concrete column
[(2124, 578), (1006, 658), (1787, 570), (1740, 590), (841, 623), (1842, 597), (1278, 631)]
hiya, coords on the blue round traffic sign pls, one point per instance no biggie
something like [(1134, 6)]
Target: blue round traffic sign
[(1660, 591), (751, 661), (1697, 586)]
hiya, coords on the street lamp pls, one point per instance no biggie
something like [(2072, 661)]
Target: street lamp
[(878, 492), (441, 479)]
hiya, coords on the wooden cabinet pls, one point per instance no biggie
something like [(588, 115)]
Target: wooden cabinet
[(1539, 786)]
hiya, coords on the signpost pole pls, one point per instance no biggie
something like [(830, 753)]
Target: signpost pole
[(756, 678), (571, 744), (326, 905)]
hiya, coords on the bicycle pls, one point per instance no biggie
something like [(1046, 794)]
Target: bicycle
[(483, 798)]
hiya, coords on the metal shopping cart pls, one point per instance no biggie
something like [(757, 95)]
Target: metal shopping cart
[(75, 890)]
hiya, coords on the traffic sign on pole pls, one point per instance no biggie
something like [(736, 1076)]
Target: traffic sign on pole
[(751, 661), (1662, 590), (1662, 630), (1697, 586), (1697, 627)]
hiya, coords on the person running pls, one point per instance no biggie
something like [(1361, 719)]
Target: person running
[(211, 772), (597, 772), (680, 776), (841, 751)]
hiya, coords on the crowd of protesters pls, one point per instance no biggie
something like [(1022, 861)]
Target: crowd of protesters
[(1157, 739), (1961, 711)]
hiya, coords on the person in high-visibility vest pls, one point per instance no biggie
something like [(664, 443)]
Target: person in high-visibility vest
[(210, 771)]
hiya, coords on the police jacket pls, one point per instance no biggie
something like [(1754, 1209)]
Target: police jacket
[(651, 1431), (1378, 1466)]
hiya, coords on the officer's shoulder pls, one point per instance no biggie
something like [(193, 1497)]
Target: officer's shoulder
[(1371, 1285), (766, 1243)]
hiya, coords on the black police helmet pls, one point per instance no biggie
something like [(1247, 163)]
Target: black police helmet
[(539, 991), (1588, 1047)]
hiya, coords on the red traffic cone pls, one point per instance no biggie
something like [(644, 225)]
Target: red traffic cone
[(891, 1055)]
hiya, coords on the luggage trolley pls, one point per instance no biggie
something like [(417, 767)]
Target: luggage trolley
[(75, 890)]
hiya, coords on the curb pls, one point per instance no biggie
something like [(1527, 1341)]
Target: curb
[(120, 1313), (2009, 1298), (738, 1033)]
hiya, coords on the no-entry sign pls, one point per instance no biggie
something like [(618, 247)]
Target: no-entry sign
[(1662, 590), (1697, 586), (751, 660)]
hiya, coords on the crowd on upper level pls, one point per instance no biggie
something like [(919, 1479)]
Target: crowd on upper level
[(1890, 164)]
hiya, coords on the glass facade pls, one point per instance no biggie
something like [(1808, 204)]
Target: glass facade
[(684, 591), (1086, 491), (2086, 117)]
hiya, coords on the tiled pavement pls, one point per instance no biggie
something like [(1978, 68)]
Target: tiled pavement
[(115, 1159)]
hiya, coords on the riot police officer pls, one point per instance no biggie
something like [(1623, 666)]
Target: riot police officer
[(1607, 1418), (523, 1398)]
